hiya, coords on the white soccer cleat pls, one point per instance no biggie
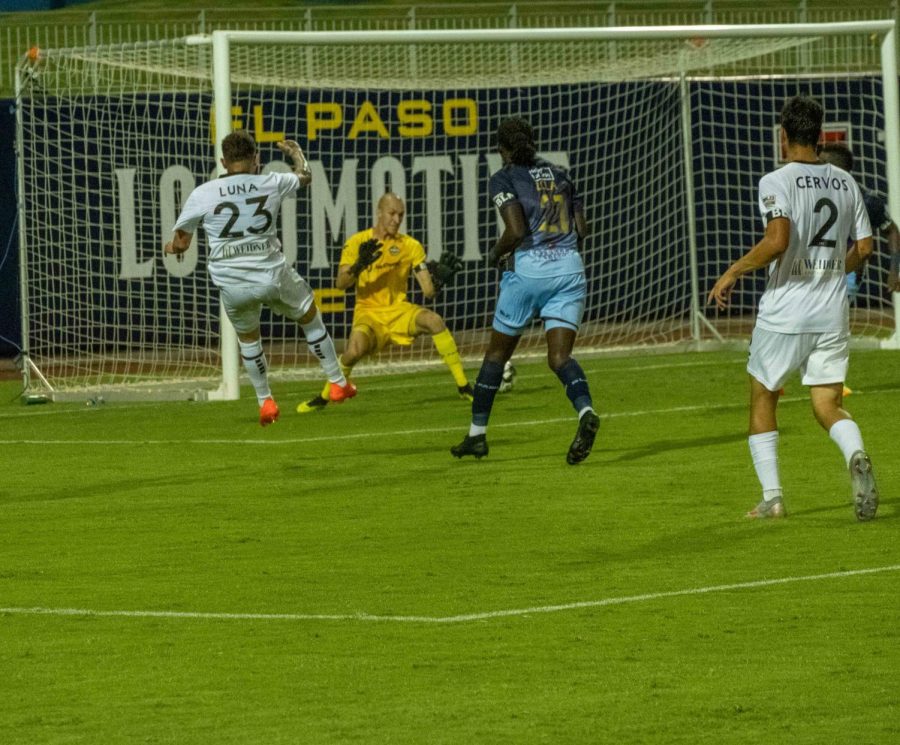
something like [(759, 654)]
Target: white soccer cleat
[(865, 493), (774, 508)]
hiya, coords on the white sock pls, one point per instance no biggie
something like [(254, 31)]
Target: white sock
[(255, 364), (477, 429), (320, 344), (764, 451), (846, 434), (584, 411)]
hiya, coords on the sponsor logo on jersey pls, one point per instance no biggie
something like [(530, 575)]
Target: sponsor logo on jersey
[(805, 267), (503, 197), (244, 249), (768, 200), (542, 173)]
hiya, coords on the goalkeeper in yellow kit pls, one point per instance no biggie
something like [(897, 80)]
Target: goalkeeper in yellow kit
[(379, 261)]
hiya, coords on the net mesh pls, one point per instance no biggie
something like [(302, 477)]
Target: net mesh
[(113, 139)]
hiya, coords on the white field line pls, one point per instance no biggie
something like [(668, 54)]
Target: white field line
[(61, 409), (456, 427), (395, 433), (461, 618)]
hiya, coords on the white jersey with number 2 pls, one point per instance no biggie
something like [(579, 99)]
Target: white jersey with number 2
[(807, 290), (239, 213)]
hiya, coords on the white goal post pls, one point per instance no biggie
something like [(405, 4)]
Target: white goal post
[(665, 129)]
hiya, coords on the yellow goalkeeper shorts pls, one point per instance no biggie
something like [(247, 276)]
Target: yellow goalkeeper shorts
[(393, 324)]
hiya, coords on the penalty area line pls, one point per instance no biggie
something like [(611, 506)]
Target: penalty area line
[(461, 618)]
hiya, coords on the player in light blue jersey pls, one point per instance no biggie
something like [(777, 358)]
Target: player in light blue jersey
[(543, 276)]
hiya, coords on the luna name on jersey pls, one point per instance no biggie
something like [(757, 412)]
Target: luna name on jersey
[(232, 189)]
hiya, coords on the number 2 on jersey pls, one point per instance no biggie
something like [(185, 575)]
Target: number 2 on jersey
[(819, 238)]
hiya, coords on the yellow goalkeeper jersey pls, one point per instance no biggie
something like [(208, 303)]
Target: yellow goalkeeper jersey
[(385, 282)]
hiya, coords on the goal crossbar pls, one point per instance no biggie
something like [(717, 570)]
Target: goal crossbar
[(221, 39), (507, 35)]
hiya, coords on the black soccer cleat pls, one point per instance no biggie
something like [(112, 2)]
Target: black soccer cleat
[(314, 404), (465, 392), (476, 445), (581, 446)]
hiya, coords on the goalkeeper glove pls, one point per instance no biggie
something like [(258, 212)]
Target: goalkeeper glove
[(498, 260), (369, 251), (443, 270)]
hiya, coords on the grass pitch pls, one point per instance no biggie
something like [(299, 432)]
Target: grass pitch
[(173, 573)]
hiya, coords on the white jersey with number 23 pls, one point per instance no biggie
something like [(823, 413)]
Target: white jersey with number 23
[(806, 290), (239, 214)]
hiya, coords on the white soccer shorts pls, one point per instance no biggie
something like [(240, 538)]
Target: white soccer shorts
[(822, 358), (288, 295)]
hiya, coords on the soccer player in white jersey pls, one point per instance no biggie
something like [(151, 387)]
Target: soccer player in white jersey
[(239, 212), (812, 211)]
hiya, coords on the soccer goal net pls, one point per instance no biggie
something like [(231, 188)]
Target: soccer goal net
[(666, 131)]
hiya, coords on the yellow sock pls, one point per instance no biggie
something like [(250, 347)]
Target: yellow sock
[(446, 347)]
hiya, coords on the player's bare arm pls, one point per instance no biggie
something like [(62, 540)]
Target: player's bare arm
[(423, 277), (858, 253), (514, 231), (180, 243), (581, 228), (774, 243), (892, 233), (301, 166)]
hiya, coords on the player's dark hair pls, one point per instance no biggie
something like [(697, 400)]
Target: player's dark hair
[(239, 145), (801, 119), (517, 138), (838, 154)]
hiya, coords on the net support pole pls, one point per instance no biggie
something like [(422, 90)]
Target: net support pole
[(28, 369), (684, 93), (690, 205), (229, 389), (891, 95), (23, 256)]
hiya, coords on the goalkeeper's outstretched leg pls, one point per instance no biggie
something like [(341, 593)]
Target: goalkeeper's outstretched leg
[(429, 322)]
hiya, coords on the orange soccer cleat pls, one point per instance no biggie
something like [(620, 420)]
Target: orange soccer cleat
[(338, 393), (268, 412)]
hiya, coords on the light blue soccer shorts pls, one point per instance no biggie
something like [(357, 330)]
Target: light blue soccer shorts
[(558, 301)]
